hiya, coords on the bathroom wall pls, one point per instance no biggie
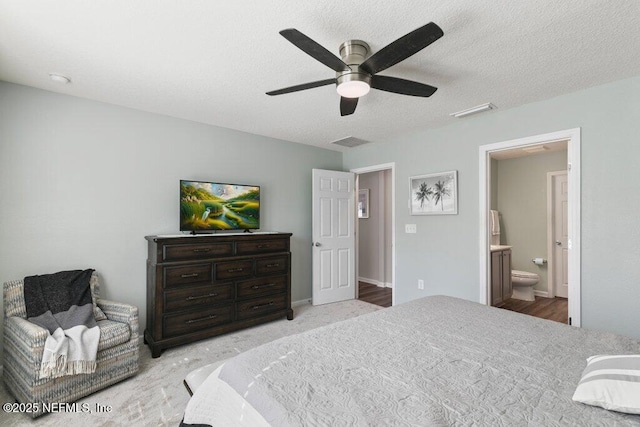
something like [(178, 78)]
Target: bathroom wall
[(522, 202), (493, 189)]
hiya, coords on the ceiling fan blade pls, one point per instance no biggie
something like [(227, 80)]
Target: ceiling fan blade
[(402, 86), (303, 86), (402, 48), (348, 105), (314, 50)]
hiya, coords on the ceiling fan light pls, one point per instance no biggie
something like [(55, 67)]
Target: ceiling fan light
[(353, 89)]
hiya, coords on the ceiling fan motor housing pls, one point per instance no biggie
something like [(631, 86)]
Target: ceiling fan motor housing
[(353, 53)]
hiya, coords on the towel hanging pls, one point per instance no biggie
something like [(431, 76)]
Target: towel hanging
[(495, 223)]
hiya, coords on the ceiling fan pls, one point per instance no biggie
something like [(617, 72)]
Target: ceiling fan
[(356, 74)]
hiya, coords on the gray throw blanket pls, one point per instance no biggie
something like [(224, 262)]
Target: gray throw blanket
[(62, 304)]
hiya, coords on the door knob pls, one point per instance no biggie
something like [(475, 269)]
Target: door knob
[(559, 243), (317, 244)]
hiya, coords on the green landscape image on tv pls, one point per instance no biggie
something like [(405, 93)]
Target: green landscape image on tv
[(218, 206)]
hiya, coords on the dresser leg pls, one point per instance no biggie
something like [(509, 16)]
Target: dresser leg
[(155, 351), (290, 314)]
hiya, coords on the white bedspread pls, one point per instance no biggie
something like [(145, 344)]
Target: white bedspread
[(438, 361)]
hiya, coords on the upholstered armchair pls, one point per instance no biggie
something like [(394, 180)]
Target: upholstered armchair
[(117, 356)]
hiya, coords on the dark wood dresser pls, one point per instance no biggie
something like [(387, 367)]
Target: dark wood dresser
[(206, 285)]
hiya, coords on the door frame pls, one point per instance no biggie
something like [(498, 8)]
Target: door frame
[(551, 264), (573, 177), (376, 168)]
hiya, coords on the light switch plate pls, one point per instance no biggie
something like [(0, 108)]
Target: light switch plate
[(410, 228)]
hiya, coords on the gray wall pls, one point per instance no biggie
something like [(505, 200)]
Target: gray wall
[(374, 233), (522, 203), (445, 251), (82, 183)]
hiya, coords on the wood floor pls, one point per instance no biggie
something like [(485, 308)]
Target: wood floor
[(374, 294), (555, 309)]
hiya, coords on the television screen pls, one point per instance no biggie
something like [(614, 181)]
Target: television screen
[(218, 206)]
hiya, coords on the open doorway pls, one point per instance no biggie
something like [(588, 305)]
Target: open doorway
[(502, 257), (528, 201), (375, 234)]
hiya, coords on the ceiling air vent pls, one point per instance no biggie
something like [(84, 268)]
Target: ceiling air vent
[(350, 142)]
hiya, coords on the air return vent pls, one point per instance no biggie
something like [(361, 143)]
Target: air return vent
[(350, 142)]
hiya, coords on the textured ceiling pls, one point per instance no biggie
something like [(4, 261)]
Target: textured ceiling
[(213, 61)]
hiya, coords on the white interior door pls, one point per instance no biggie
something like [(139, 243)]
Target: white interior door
[(560, 236), (333, 211)]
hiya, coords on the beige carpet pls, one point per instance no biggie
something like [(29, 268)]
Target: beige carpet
[(156, 396)]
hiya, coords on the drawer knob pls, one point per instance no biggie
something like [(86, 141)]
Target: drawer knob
[(191, 298), (235, 270), (213, 316), (186, 276), (266, 285), (273, 265), (202, 250), (262, 246), (259, 306)]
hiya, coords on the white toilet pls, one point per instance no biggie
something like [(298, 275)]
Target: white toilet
[(523, 283)]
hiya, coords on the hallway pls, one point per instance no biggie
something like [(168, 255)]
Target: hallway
[(374, 294)]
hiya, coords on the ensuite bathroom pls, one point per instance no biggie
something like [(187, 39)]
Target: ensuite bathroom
[(528, 230)]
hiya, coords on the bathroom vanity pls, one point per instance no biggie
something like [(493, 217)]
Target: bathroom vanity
[(501, 287)]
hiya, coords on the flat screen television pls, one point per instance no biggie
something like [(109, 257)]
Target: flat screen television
[(210, 206)]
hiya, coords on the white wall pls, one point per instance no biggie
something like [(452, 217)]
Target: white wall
[(82, 183), (444, 252)]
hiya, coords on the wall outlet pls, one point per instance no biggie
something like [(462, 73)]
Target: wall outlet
[(420, 284), (410, 228)]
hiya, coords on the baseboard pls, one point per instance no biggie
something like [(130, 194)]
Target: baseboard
[(543, 294), (300, 302), (375, 282)]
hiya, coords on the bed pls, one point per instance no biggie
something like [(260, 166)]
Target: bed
[(436, 361)]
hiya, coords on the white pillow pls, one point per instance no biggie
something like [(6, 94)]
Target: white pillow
[(611, 382)]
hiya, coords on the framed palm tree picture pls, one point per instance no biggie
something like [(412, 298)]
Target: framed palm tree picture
[(434, 194)]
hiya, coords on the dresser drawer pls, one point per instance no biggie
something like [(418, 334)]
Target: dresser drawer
[(234, 269), (191, 297), (262, 286), (196, 251), (187, 274), (272, 265), (179, 324), (262, 246), (259, 306)]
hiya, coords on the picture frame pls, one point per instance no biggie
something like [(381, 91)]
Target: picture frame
[(363, 203), (434, 194)]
